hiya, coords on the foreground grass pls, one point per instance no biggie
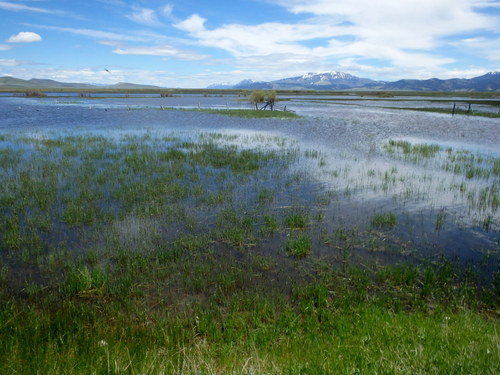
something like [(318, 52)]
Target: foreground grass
[(165, 255), (244, 333)]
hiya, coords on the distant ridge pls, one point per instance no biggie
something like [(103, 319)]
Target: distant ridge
[(35, 83), (489, 82), (345, 81)]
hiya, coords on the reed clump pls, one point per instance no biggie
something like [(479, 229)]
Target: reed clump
[(34, 94)]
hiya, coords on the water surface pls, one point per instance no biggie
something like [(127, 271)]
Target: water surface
[(439, 211)]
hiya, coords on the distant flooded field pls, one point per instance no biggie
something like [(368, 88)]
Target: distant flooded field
[(154, 200)]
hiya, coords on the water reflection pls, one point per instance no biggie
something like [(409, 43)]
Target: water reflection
[(437, 209)]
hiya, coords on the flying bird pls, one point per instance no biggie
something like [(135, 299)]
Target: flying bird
[(107, 70)]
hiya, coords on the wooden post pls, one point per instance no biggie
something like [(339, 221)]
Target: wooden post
[(453, 111)]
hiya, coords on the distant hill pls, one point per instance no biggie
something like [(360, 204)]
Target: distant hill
[(34, 83), (310, 81), (345, 81), (487, 82)]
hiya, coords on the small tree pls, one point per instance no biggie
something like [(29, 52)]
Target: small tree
[(261, 96), (257, 97), (270, 98)]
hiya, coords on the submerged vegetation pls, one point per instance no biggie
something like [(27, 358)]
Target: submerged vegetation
[(460, 162), (215, 254), (450, 111), (243, 113), (250, 113)]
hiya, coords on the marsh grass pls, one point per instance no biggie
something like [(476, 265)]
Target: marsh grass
[(457, 111), (478, 175), (440, 220), (296, 221), (462, 162), (299, 245), (243, 113), (412, 151), (164, 254), (384, 221)]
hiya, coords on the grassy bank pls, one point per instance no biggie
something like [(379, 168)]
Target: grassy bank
[(243, 113), (211, 254), (239, 92)]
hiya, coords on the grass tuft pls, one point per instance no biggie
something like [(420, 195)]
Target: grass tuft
[(387, 221)]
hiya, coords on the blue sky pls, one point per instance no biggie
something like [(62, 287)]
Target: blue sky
[(194, 43)]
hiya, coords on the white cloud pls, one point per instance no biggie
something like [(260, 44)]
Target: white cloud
[(162, 50), (482, 46), (25, 37), (20, 7), (404, 35), (145, 16), (118, 41), (166, 10), (193, 24), (9, 62), (16, 7), (99, 34), (4, 47), (111, 43), (243, 40), (421, 19), (463, 73)]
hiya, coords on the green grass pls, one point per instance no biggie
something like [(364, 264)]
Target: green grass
[(441, 220), (251, 113), (244, 113), (338, 322), (296, 221), (387, 221), (419, 150), (299, 245), (147, 254)]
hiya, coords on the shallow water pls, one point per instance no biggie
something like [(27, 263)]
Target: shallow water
[(351, 163)]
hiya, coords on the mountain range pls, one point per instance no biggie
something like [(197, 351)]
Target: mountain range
[(346, 81), (35, 83), (310, 81)]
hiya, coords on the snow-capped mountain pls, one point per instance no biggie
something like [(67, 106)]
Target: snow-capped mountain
[(310, 81), (345, 81), (251, 84), (245, 84), (323, 81), (225, 85)]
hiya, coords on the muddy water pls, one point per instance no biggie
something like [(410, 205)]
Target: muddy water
[(352, 165)]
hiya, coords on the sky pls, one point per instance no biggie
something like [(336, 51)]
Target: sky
[(195, 43)]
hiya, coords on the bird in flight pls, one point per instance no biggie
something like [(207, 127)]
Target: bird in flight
[(107, 70)]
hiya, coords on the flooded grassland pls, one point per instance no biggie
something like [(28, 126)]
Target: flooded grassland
[(149, 235)]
